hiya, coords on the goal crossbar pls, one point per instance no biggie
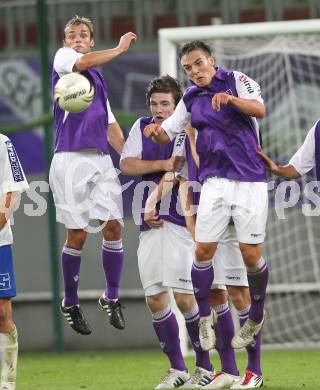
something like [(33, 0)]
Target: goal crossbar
[(169, 37)]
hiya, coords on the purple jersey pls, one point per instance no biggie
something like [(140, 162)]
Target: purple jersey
[(153, 151), (86, 129), (227, 139)]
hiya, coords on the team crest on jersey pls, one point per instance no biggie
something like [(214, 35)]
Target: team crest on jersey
[(14, 162), (229, 92)]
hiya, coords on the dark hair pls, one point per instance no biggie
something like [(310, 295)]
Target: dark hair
[(195, 45), (165, 84), (76, 20)]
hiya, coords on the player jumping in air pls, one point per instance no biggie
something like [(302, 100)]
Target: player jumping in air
[(82, 176), (229, 274), (223, 107)]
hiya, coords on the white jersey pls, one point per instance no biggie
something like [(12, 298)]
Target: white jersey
[(304, 159), (177, 122), (63, 64), (133, 145), (12, 179)]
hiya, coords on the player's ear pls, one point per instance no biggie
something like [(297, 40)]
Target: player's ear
[(211, 61), (92, 42)]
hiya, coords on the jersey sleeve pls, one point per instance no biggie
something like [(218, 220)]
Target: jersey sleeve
[(304, 158), (111, 117), (64, 60), (12, 178), (247, 88), (133, 144), (177, 122)]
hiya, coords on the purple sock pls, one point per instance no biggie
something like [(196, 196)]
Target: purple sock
[(224, 332), (112, 260), (167, 330), (253, 350), (70, 261), (202, 278), (258, 280), (192, 324)]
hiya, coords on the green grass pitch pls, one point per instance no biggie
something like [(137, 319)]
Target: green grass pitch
[(290, 370)]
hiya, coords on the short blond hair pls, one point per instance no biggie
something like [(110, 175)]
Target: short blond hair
[(76, 20)]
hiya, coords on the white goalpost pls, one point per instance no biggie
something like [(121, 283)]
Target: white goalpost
[(284, 58)]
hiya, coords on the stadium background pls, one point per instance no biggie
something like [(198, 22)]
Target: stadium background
[(126, 77)]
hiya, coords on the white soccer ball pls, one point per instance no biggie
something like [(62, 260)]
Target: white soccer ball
[(74, 92)]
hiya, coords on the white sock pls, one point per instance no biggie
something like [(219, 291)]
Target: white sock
[(9, 355)]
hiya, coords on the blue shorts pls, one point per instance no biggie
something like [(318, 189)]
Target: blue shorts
[(7, 279)]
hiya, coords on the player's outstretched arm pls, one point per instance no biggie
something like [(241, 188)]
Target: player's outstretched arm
[(96, 58), (116, 137), (133, 166), (7, 203), (186, 201), (287, 171), (250, 107), (192, 139), (156, 133)]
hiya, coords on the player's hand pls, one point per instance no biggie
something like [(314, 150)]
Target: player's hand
[(269, 163), (220, 98), (126, 40), (152, 219), (152, 130), (173, 164)]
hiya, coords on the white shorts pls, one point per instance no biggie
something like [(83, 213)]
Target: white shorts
[(85, 186), (245, 202), (229, 268), (165, 258)]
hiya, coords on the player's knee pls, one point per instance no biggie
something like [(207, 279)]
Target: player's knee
[(240, 297), (76, 238), (204, 252), (218, 297), (185, 302), (112, 231), (157, 302), (251, 253), (5, 313)]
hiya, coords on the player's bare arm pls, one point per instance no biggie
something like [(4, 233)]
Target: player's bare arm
[(192, 139), (116, 137), (156, 133), (287, 171), (186, 201), (250, 107), (7, 203), (134, 166), (96, 58), (167, 182)]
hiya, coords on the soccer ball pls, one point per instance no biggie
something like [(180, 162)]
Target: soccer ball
[(74, 92)]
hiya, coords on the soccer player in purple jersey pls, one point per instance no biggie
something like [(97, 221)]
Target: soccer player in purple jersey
[(229, 274), (305, 158), (82, 177), (166, 248), (223, 107), (12, 183)]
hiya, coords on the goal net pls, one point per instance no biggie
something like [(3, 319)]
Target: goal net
[(284, 58)]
